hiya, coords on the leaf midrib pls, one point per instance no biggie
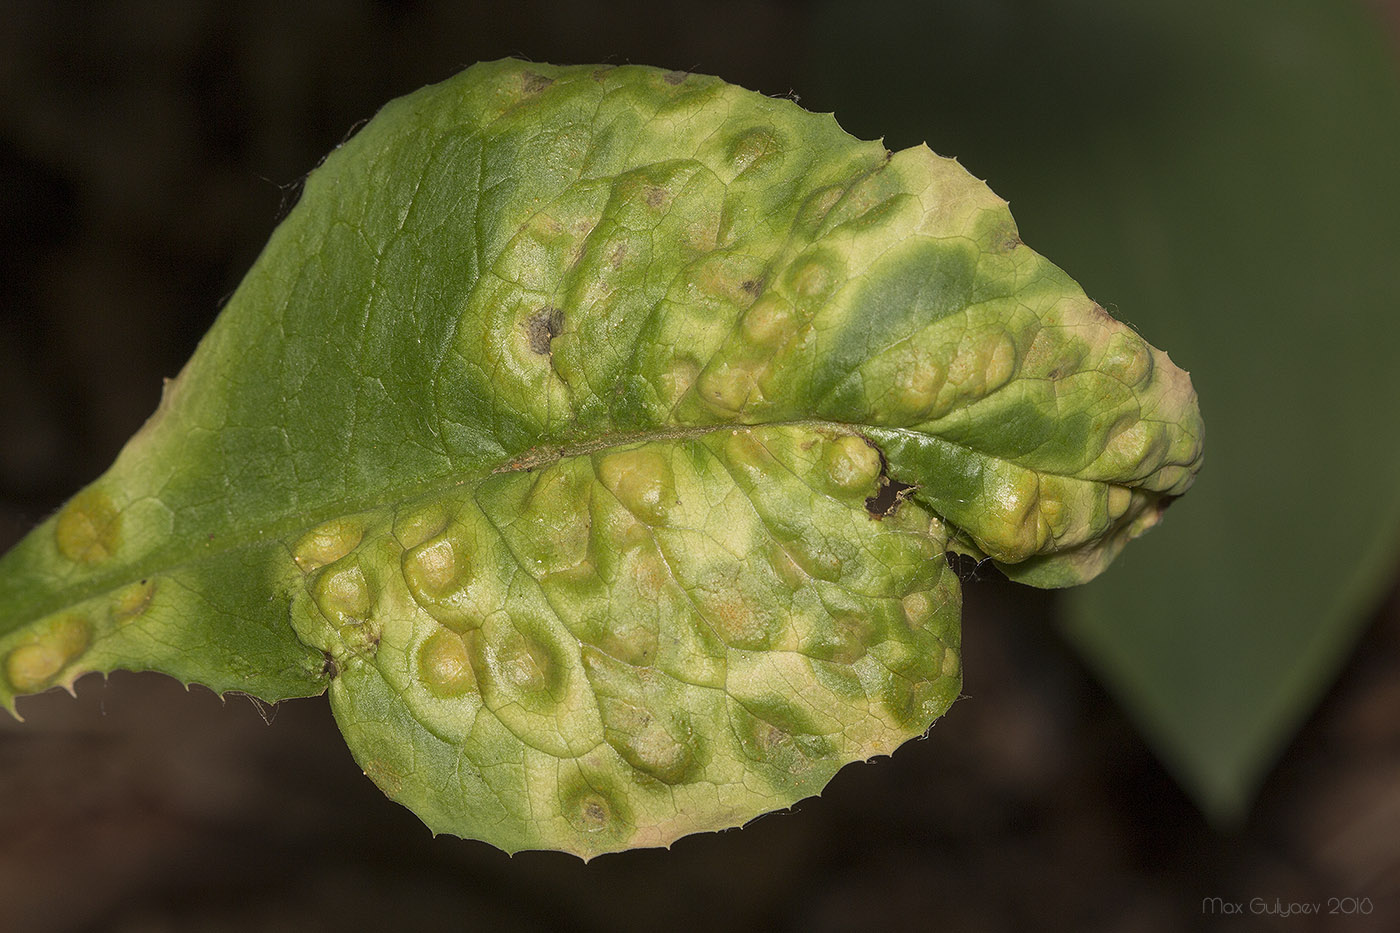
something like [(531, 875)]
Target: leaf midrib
[(528, 459), (160, 562)]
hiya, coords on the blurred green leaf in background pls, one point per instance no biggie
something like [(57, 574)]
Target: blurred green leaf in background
[(1224, 177)]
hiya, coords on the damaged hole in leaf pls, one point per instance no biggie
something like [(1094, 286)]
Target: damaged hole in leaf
[(542, 327), (892, 493), (964, 565)]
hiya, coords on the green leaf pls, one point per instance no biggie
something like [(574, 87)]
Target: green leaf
[(1224, 172), (549, 434)]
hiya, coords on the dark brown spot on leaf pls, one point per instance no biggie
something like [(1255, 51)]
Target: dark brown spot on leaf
[(385, 776), (534, 83), (542, 327), (1097, 311), (675, 77), (594, 812)]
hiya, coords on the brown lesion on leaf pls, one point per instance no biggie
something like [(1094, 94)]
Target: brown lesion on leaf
[(674, 78), (596, 812), (616, 257), (542, 327), (385, 776), (532, 82), (752, 286)]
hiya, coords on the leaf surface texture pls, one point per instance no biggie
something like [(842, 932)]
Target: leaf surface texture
[(549, 434)]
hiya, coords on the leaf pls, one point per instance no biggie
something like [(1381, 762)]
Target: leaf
[(549, 434), (1230, 172)]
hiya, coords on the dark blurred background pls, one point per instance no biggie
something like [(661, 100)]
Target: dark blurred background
[(146, 151)]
